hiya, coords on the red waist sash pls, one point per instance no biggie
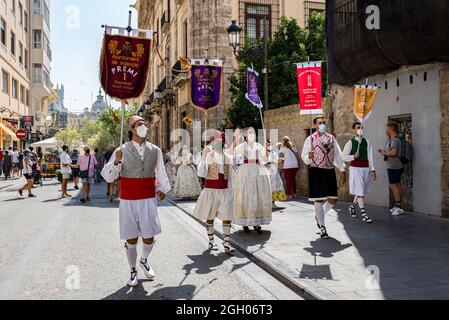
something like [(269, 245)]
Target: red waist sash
[(247, 161), (219, 184), (360, 164), (137, 188)]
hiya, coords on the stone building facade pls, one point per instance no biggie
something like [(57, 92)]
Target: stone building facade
[(187, 28), (416, 97)]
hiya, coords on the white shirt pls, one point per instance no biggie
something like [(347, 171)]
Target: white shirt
[(256, 152), (111, 172), (65, 159), (338, 155), (291, 162), (348, 158)]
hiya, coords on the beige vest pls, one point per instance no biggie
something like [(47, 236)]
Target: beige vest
[(134, 167), (214, 169)]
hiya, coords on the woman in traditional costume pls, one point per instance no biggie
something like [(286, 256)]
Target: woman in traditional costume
[(252, 188), (187, 184)]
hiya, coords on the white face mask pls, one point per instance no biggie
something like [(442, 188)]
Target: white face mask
[(359, 132), (142, 131), (252, 137)]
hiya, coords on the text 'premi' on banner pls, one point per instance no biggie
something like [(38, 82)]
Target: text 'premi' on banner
[(124, 63), (206, 83)]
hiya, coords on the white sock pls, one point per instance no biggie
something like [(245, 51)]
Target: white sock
[(210, 233), (146, 250), (327, 207), (131, 253), (226, 232), (361, 203), (319, 211)]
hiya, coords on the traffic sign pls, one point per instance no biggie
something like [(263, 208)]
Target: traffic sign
[(21, 134)]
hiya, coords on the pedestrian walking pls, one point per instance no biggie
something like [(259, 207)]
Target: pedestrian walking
[(27, 172), (107, 157), (252, 188), (99, 167), (75, 169), (7, 165), (322, 154), (290, 160), (66, 170), (359, 152), (2, 156), (140, 166), (86, 164), (395, 167), (216, 199), (15, 161)]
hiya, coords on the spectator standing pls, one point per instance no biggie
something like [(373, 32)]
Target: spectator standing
[(395, 167), (66, 170), (86, 164), (290, 164), (15, 161)]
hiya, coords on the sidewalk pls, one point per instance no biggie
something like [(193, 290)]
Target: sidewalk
[(409, 253)]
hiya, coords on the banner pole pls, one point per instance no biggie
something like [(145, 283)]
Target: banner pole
[(122, 126)]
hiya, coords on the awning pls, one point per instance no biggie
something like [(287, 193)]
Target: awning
[(49, 143), (8, 132)]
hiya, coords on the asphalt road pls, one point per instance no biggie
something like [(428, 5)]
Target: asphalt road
[(57, 249)]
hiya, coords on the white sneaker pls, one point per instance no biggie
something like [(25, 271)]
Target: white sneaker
[(146, 268), (133, 279), (397, 212)]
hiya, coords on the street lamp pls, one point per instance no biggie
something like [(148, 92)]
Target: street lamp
[(234, 31)]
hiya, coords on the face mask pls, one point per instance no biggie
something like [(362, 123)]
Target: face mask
[(218, 147), (323, 128), (142, 131), (359, 132), (252, 137)]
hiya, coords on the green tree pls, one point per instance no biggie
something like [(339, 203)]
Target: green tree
[(290, 44), (69, 137)]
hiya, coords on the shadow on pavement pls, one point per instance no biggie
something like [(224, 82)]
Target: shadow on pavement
[(184, 292)]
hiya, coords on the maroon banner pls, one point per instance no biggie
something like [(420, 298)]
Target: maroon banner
[(124, 65)]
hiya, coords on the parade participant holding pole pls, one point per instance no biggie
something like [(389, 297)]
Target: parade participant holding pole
[(322, 153), (216, 200), (359, 153), (140, 166), (252, 188)]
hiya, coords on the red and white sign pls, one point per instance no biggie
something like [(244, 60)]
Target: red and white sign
[(310, 87), (21, 134)]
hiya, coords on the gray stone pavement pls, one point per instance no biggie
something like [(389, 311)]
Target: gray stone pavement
[(49, 244), (408, 255)]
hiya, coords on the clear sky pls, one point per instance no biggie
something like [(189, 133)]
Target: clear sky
[(76, 37)]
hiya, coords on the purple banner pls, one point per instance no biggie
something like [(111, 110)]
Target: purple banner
[(253, 88), (207, 86)]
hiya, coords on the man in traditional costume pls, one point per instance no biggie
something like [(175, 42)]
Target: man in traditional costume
[(322, 153), (252, 187), (140, 166), (216, 199), (359, 153)]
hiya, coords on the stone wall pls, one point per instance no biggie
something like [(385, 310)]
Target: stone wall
[(444, 100), (288, 122)]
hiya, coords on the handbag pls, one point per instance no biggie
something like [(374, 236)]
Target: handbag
[(85, 173)]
